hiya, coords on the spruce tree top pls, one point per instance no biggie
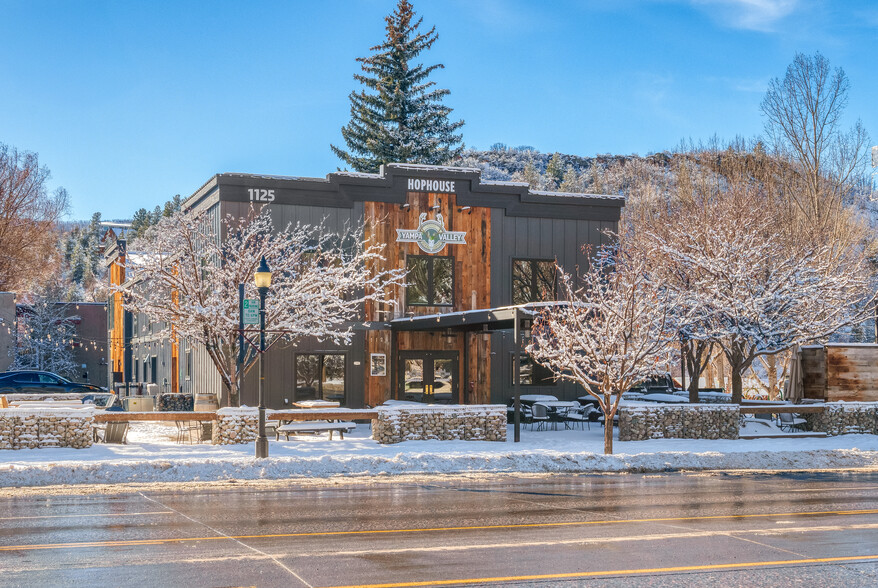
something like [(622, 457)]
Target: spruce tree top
[(399, 116)]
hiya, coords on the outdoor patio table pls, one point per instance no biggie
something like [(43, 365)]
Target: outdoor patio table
[(558, 409)]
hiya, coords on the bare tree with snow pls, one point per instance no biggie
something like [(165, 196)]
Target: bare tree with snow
[(754, 290), (187, 278), (44, 338), (613, 332), (803, 126)]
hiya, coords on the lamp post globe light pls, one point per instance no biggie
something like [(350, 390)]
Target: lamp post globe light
[(262, 277)]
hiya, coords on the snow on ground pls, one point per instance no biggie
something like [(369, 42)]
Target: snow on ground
[(152, 455)]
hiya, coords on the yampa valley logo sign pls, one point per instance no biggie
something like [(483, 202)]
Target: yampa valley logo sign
[(430, 235)]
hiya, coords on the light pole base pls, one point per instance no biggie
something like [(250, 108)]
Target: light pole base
[(262, 447)]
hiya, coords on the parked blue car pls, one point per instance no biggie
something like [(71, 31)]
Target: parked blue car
[(36, 382)]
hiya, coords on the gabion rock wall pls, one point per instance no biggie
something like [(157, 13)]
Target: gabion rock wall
[(235, 425), (443, 423), (839, 418), (690, 421), (175, 402), (35, 428)]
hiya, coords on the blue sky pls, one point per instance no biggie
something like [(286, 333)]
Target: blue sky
[(130, 103)]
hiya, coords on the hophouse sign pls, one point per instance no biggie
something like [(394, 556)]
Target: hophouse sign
[(431, 235), (422, 185)]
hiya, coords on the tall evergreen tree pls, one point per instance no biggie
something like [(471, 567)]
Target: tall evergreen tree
[(140, 222), (399, 116), (172, 206), (555, 169)]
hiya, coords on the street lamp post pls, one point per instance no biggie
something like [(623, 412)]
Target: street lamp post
[(263, 283)]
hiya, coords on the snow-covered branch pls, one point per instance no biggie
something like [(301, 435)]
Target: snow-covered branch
[(614, 333), (187, 278)]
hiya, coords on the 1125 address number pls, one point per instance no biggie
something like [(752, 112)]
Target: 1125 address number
[(260, 195)]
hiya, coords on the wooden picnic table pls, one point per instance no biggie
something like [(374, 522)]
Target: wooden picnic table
[(323, 414)]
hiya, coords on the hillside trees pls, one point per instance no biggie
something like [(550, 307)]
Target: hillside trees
[(188, 279), (28, 214), (83, 270), (399, 116)]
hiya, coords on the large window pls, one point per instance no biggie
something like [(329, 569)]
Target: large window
[(532, 373), (430, 281), (533, 280), (320, 376)]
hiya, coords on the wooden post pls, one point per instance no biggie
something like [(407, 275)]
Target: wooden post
[(516, 373)]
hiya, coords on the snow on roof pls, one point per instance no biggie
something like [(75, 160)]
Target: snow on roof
[(577, 195), (351, 174), (424, 167), (504, 183), (273, 177)]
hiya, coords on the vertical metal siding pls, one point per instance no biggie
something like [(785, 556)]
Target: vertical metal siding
[(535, 238)]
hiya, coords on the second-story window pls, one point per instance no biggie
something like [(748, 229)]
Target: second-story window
[(533, 280), (430, 280)]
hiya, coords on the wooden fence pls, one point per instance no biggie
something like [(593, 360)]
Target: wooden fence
[(836, 372)]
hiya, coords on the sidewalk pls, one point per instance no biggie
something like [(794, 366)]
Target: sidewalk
[(152, 456)]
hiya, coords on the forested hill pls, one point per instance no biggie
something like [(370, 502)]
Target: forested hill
[(547, 171)]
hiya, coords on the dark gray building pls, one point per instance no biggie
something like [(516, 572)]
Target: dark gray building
[(471, 247)]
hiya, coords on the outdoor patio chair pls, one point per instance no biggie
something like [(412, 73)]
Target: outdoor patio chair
[(558, 414), (578, 416), (112, 433), (188, 431), (539, 416), (789, 422)]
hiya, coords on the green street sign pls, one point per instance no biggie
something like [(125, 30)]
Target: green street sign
[(251, 311)]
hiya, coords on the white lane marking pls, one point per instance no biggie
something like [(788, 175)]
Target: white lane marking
[(589, 540), (238, 541)]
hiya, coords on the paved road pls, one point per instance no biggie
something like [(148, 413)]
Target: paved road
[(619, 530)]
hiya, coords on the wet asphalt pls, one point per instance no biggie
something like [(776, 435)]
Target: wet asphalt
[(716, 529)]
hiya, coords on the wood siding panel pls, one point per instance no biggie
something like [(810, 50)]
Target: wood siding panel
[(472, 269)]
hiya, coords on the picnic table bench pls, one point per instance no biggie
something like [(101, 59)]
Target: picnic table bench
[(313, 427)]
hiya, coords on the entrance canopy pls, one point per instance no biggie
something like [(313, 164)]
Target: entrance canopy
[(486, 319)]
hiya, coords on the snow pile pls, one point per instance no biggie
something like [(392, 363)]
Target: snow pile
[(152, 456)]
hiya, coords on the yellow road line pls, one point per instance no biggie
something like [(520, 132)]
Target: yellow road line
[(702, 568), (428, 530)]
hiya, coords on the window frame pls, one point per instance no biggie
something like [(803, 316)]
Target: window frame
[(534, 285), (525, 357), (320, 363), (431, 289), (187, 354)]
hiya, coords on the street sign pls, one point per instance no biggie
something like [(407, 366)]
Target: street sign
[(251, 311)]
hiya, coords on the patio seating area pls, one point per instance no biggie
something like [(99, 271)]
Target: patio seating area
[(544, 412)]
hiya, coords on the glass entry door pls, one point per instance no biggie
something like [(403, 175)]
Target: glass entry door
[(428, 376)]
